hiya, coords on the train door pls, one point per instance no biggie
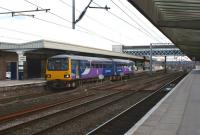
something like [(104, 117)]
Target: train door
[(75, 69), (114, 68)]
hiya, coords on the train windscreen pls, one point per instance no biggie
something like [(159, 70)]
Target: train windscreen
[(56, 64)]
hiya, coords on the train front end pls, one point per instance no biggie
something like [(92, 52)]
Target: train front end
[(58, 72)]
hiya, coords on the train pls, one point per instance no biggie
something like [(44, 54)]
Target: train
[(66, 71)]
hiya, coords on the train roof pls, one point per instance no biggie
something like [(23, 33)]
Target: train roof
[(77, 57), (122, 61), (86, 58)]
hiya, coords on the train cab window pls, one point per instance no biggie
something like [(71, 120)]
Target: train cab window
[(58, 64)]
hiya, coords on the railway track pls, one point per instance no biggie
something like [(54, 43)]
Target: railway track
[(20, 95), (21, 91), (149, 82), (122, 122), (123, 83), (25, 127), (51, 130), (45, 93), (39, 91), (23, 97), (113, 96), (39, 108), (83, 114)]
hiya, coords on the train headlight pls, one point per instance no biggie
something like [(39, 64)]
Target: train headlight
[(48, 76), (66, 76)]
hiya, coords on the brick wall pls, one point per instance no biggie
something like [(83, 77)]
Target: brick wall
[(4, 58)]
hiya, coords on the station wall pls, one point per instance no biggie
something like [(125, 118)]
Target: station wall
[(34, 67), (5, 58)]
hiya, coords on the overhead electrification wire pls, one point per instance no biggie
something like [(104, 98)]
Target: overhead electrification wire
[(51, 22), (61, 25), (93, 19), (100, 35), (87, 15), (121, 18), (4, 8), (126, 22), (64, 26), (87, 30), (8, 37), (143, 29), (25, 33), (62, 18), (49, 12), (138, 18), (21, 32)]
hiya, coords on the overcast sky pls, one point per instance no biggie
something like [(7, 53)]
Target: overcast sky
[(122, 24)]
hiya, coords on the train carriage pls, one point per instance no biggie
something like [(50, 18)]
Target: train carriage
[(65, 70)]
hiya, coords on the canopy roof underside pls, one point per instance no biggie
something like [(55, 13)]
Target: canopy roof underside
[(179, 20)]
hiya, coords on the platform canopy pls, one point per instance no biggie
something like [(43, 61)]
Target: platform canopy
[(53, 48), (179, 20)]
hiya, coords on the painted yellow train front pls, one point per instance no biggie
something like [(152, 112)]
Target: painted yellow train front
[(58, 72)]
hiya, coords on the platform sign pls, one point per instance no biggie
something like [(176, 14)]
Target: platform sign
[(22, 58), (21, 63)]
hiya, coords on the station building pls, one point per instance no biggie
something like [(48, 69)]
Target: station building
[(28, 60)]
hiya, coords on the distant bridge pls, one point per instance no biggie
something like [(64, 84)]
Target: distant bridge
[(157, 50)]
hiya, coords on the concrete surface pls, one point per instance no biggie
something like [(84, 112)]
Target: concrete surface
[(15, 84), (177, 114)]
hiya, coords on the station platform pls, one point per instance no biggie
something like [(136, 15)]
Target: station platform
[(178, 113), (15, 84)]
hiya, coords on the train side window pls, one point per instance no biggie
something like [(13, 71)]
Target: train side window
[(87, 64), (95, 65), (108, 66), (119, 65), (100, 65), (82, 65)]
